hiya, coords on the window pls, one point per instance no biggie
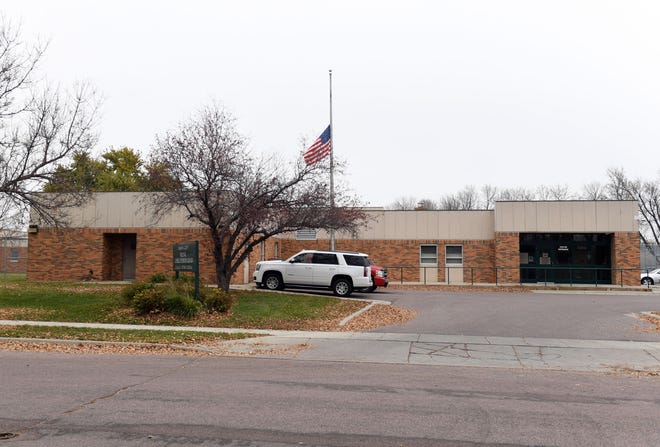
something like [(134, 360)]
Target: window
[(360, 261), (306, 234), (428, 254), (454, 255), (13, 255), (303, 257), (325, 258)]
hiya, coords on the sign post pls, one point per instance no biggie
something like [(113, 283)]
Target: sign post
[(185, 257)]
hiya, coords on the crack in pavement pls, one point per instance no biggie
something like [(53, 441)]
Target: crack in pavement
[(84, 405)]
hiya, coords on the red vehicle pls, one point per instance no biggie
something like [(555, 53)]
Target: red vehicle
[(378, 277)]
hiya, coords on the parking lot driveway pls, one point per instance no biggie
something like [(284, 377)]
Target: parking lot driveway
[(573, 315)]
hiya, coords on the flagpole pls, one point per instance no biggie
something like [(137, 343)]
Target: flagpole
[(332, 168)]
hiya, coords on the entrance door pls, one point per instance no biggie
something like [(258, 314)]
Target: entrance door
[(128, 257)]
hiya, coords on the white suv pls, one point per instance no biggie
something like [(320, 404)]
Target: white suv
[(340, 271)]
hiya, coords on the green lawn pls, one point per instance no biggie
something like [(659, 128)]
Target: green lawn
[(100, 303)]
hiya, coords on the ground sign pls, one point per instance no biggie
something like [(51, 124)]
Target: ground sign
[(185, 257)]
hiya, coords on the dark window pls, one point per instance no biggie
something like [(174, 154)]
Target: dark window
[(303, 257), (360, 261), (13, 255), (325, 258)]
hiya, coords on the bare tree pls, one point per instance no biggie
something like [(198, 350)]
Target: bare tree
[(553, 192), (426, 205), (647, 194), (594, 191), (465, 199), (516, 194), (39, 128), (618, 187), (243, 200), (404, 204), (449, 202), (489, 194)]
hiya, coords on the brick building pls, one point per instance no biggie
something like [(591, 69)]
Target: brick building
[(114, 237), (13, 252)]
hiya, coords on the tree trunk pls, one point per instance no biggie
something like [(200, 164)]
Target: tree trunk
[(222, 277)]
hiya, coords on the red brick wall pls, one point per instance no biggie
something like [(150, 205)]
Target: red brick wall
[(70, 254), (625, 256), (58, 255), (9, 266), (401, 256), (507, 257)]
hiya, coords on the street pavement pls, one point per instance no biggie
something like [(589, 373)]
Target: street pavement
[(550, 354)]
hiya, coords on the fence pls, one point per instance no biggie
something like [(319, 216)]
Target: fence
[(545, 275), (650, 256)]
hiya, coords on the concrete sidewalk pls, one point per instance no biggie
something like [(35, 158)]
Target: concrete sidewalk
[(424, 349)]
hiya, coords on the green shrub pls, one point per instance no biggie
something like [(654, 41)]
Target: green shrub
[(129, 292), (149, 301), (182, 305), (176, 297), (215, 300), (158, 278)]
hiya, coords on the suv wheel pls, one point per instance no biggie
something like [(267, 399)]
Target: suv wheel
[(342, 287), (273, 281), (646, 281)]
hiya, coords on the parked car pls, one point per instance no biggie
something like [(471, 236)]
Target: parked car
[(341, 272), (650, 277), (378, 277)]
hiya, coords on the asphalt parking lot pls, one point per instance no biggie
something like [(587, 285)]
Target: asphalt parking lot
[(545, 314)]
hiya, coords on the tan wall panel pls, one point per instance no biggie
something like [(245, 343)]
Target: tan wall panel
[(124, 210), (132, 210), (566, 216), (422, 225)]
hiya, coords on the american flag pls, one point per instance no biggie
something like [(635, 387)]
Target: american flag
[(319, 149)]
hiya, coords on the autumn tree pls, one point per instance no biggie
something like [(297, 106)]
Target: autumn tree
[(39, 128), (116, 170), (243, 200)]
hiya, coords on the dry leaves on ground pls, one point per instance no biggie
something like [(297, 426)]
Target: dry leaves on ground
[(654, 319), (378, 315)]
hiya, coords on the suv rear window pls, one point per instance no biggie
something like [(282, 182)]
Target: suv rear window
[(360, 261)]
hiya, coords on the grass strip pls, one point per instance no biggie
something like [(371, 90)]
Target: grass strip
[(117, 335)]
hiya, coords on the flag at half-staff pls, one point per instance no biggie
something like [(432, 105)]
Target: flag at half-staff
[(319, 149)]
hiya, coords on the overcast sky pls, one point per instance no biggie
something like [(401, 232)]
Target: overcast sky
[(428, 96)]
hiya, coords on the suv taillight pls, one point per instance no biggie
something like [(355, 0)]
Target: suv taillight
[(367, 271)]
